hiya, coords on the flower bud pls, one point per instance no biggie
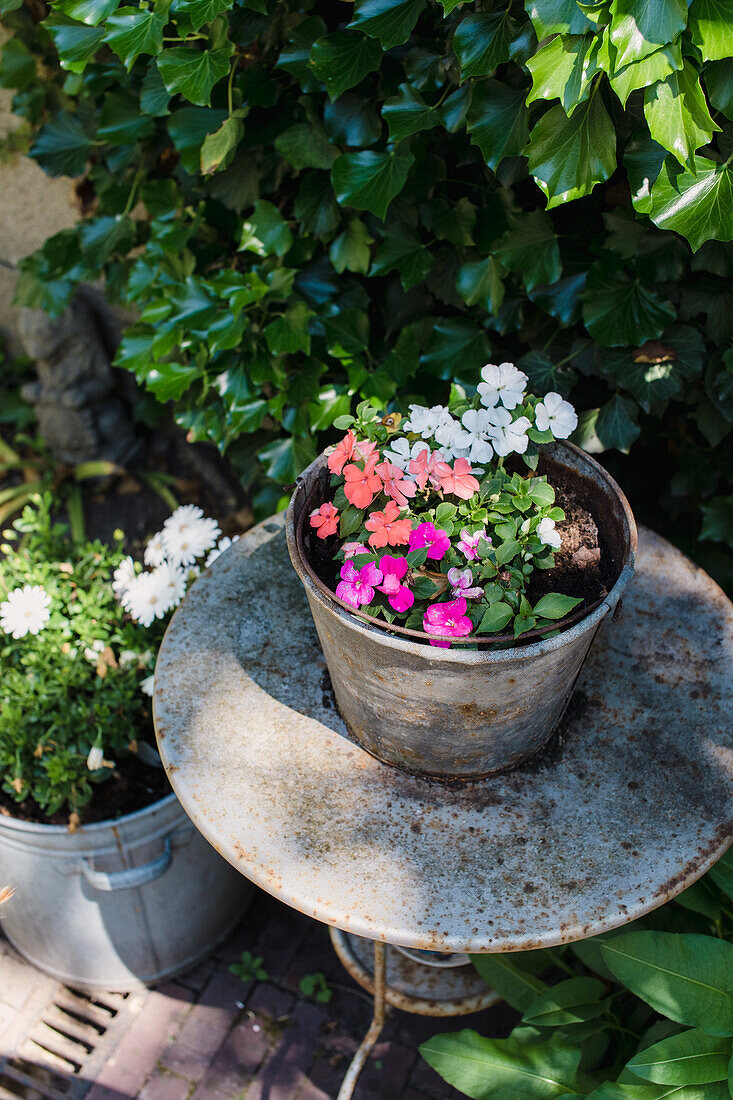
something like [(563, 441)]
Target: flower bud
[(95, 760)]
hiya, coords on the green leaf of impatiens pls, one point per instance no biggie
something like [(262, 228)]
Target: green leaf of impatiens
[(497, 121), (683, 976), (619, 311), (350, 251), (266, 232), (289, 333), (134, 31), (717, 520), (121, 121), (496, 618), (563, 69), (479, 284), (191, 15), (368, 180), (75, 42), (391, 21), (556, 17), (688, 1058), (188, 129), (530, 248), (169, 381), (91, 12), (193, 73), (722, 872), (560, 1001), (576, 999), (304, 146), (569, 156), (482, 1068), (219, 148), (407, 112), (482, 41), (677, 114), (711, 24), (638, 27), (62, 146), (699, 206), (404, 251), (341, 60), (640, 74)]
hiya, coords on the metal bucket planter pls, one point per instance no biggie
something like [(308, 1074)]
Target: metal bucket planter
[(119, 903), (456, 713)]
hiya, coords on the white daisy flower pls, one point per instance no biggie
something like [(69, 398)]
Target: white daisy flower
[(151, 595), (508, 436), (505, 384), (123, 575), (546, 533), (155, 550), (557, 415), (91, 652), (147, 686), (222, 545), (174, 581), (188, 534), (25, 611)]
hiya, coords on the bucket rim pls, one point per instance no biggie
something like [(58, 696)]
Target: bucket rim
[(94, 828)]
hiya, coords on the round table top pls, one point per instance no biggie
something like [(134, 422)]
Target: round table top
[(633, 802)]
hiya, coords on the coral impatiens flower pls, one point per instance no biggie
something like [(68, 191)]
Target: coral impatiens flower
[(396, 485), (349, 447), (422, 468), (458, 481), (427, 534), (448, 620), (356, 586), (325, 520), (399, 595), (362, 485), (387, 528)]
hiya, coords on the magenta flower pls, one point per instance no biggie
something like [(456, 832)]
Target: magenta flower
[(399, 595), (461, 581), (357, 585), (427, 534), (447, 620), (468, 542)]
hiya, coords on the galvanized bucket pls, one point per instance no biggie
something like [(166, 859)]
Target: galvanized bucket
[(120, 903), (456, 713)]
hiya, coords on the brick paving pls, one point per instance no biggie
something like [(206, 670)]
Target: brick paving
[(207, 1035)]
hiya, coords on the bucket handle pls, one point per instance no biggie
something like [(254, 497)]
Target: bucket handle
[(136, 876)]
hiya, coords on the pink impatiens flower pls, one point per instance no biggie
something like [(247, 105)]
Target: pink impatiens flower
[(422, 468), (468, 542), (427, 534), (357, 585), (325, 520), (449, 620), (461, 581), (399, 595), (396, 485), (458, 481), (362, 485), (349, 447), (352, 549)]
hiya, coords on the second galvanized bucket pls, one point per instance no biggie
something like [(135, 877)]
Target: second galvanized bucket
[(452, 713)]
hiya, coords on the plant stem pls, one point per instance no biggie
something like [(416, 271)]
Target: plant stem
[(133, 189)]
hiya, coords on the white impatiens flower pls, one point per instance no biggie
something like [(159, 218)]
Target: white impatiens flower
[(188, 534), (25, 611), (504, 384), (426, 421), (508, 436), (95, 760), (557, 415), (222, 545), (546, 533), (147, 686), (122, 577), (155, 550), (476, 425), (401, 452), (450, 435)]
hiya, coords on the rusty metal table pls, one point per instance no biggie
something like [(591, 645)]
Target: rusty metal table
[(630, 805)]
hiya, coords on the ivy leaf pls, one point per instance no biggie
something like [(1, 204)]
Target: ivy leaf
[(543, 374), (638, 28), (62, 146), (350, 251), (467, 1061), (656, 371), (193, 73), (91, 12), (640, 74), (169, 381), (76, 43), (191, 15), (530, 248), (154, 99), (569, 156), (618, 310), (556, 17), (133, 31), (678, 116), (315, 206), (407, 113), (711, 25), (17, 65), (295, 57), (457, 346), (698, 206), (341, 60), (219, 148), (479, 284), (717, 520), (188, 129), (497, 121), (304, 146), (643, 160), (368, 180), (121, 120), (719, 86), (289, 333), (352, 121), (615, 426), (103, 236), (391, 21), (563, 69), (266, 232), (483, 41), (403, 250)]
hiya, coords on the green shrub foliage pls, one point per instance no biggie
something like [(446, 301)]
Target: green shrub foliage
[(309, 202)]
